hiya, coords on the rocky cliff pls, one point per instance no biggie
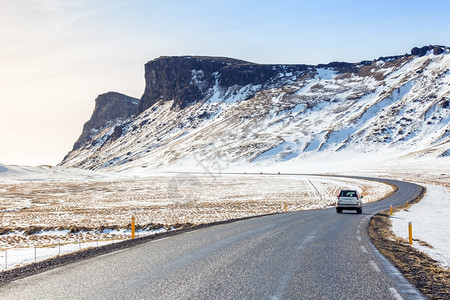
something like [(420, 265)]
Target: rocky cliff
[(110, 108), (210, 108), (188, 79)]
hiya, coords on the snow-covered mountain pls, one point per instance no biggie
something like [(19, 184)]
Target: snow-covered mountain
[(210, 108)]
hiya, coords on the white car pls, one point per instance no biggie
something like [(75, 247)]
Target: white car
[(349, 200)]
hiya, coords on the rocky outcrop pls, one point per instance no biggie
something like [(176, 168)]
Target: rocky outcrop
[(423, 50), (438, 50), (187, 79), (110, 108), (255, 74), (169, 78)]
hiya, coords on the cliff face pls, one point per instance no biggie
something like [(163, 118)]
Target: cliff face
[(110, 108), (187, 79), (169, 78)]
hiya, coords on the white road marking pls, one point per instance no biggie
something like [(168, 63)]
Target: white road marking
[(363, 249), (158, 240), (358, 238), (374, 265), (306, 241), (395, 293), (359, 231)]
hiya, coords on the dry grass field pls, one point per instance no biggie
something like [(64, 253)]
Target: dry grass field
[(47, 212)]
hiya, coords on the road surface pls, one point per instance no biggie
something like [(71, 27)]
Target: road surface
[(316, 254)]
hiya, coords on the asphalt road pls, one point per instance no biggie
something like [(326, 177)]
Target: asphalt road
[(315, 254)]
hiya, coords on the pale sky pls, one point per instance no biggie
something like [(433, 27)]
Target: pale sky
[(57, 56)]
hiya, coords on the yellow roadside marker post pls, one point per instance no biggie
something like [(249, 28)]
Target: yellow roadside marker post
[(391, 210), (285, 207), (410, 232), (132, 227)]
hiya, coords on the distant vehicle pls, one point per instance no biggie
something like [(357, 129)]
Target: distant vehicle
[(349, 200)]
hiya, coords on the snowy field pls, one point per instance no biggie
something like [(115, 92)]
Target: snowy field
[(50, 206), (430, 222), (42, 212)]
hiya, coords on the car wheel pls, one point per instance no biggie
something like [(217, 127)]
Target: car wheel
[(359, 211)]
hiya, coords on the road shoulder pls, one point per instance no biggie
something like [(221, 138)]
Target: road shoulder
[(421, 270)]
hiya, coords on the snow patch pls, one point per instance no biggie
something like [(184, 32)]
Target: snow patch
[(430, 222)]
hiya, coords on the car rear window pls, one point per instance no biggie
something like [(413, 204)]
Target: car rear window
[(348, 194)]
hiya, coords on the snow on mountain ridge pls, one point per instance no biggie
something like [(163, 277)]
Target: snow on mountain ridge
[(394, 104)]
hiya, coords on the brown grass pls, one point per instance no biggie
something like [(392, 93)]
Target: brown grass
[(93, 206), (316, 87)]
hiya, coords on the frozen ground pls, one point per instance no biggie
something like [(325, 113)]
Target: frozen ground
[(430, 222), (16, 257), (45, 206), (32, 211)]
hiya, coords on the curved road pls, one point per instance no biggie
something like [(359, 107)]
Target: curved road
[(316, 254)]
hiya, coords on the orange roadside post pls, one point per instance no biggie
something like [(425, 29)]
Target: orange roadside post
[(410, 232), (132, 227)]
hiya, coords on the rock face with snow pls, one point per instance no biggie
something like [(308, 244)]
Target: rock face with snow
[(219, 108), (423, 50), (185, 80), (170, 78), (188, 79), (110, 108)]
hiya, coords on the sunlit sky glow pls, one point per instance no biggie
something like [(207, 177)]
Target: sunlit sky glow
[(56, 57)]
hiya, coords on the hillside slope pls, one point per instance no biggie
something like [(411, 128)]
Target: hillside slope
[(214, 108)]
